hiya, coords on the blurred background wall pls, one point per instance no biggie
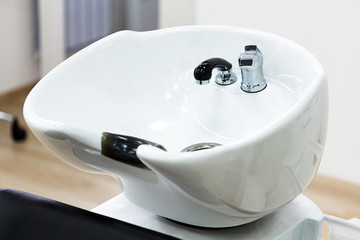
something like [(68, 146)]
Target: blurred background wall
[(18, 65), (39, 34), (35, 39)]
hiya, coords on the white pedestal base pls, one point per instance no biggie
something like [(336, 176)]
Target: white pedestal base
[(300, 219)]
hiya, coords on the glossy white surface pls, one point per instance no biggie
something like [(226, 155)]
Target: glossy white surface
[(141, 84)]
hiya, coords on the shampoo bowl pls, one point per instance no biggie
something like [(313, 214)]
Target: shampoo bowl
[(252, 152)]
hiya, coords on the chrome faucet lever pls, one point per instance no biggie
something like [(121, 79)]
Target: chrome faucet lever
[(251, 65)]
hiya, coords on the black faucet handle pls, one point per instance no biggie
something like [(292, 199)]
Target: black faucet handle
[(251, 48)]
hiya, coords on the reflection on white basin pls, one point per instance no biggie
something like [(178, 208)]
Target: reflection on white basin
[(141, 84)]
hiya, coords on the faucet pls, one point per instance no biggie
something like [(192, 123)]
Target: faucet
[(202, 73), (251, 65)]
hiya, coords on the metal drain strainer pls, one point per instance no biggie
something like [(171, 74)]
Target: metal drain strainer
[(200, 146)]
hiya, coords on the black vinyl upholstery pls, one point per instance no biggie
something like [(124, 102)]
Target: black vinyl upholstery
[(26, 216)]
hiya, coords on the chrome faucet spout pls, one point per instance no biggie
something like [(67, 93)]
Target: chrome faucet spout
[(251, 65)]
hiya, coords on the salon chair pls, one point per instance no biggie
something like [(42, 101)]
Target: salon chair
[(26, 216), (17, 133)]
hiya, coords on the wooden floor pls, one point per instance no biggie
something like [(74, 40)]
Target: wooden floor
[(30, 167)]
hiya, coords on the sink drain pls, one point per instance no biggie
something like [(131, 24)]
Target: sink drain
[(200, 146)]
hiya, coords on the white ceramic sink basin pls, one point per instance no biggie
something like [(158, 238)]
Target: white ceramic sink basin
[(142, 85)]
